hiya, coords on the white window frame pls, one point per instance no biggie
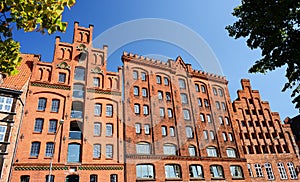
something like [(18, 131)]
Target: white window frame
[(231, 153), (211, 152), (269, 170), (143, 148), (281, 170), (292, 171), (186, 114), (138, 129), (2, 132), (258, 170)]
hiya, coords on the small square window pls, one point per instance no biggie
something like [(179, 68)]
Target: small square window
[(62, 77)]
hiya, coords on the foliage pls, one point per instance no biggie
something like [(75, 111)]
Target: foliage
[(272, 26), (30, 15)]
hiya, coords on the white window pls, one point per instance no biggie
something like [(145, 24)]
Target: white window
[(138, 128), (97, 109), (169, 149), (2, 133), (186, 114), (170, 113), (250, 170), (162, 112), (224, 136), (236, 172), (147, 129), (96, 82), (211, 152), (172, 131), (282, 171), (223, 106), (220, 92), (144, 171), (109, 151), (203, 89), (189, 132), (205, 134), (135, 90), (181, 83), (172, 171), (97, 129), (166, 81), (143, 148), (135, 75), (96, 151), (230, 153), (292, 170), (146, 110), (202, 117), (218, 105), (192, 150), (215, 91), (230, 137), (160, 95), (221, 120), (208, 118), (144, 78), (206, 103), (216, 171), (258, 170), (199, 102), (109, 129), (212, 135), (196, 171), (227, 121), (144, 92), (197, 88), (136, 108), (269, 171), (164, 131), (184, 99), (109, 110), (158, 79)]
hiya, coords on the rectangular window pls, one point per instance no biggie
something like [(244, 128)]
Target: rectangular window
[(143, 148), (42, 104), (96, 82), (206, 103), (144, 92), (96, 151), (216, 172), (166, 81), (211, 152), (158, 79), (184, 99), (25, 178), (136, 108), (202, 118), (199, 102), (189, 132), (79, 73), (230, 137), (208, 118), (135, 91), (224, 136), (164, 131), (181, 84), (223, 106), (172, 171), (168, 96), (160, 95), (109, 110), (62, 77), (35, 149), (97, 129), (143, 76), (109, 151), (205, 134), (38, 126), (135, 75), (137, 128), (97, 109), (186, 114), (52, 126), (2, 133), (172, 131), (5, 103), (203, 89), (146, 110), (282, 171), (50, 178), (113, 178), (147, 129), (212, 135), (109, 129), (249, 170), (49, 149), (55, 105), (197, 88), (162, 112), (170, 113), (93, 178)]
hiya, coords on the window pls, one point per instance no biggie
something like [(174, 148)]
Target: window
[(192, 150), (236, 172), (205, 134), (97, 129), (215, 91), (52, 126), (208, 118), (25, 178), (189, 132), (160, 95), (147, 129), (42, 104), (220, 92), (206, 103), (55, 105), (172, 171), (230, 137), (158, 79), (162, 112), (144, 92), (224, 136), (135, 75), (96, 82), (197, 88), (218, 105), (258, 170), (203, 89), (146, 110), (221, 120), (168, 96), (138, 128), (250, 170), (97, 109), (96, 151), (223, 106), (199, 102), (211, 152), (170, 149), (135, 90), (231, 153), (227, 121), (144, 171), (35, 149), (109, 110), (113, 178), (49, 149), (172, 131), (181, 84), (202, 117), (269, 171), (196, 171), (93, 178), (38, 126), (74, 152), (50, 178), (282, 171), (170, 113), (212, 135), (79, 73), (6, 102), (216, 171), (166, 81), (143, 148), (292, 170), (136, 108), (164, 131), (2, 133), (109, 129), (78, 90), (143, 75), (184, 99), (186, 114), (109, 151)]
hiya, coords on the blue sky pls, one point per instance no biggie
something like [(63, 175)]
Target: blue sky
[(206, 18)]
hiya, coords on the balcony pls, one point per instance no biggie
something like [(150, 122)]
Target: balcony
[(76, 114), (75, 135)]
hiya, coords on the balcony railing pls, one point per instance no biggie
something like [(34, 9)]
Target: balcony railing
[(76, 114), (75, 135)]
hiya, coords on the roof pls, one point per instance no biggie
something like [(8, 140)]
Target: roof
[(17, 82)]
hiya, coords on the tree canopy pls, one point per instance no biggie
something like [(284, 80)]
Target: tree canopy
[(272, 26), (43, 16)]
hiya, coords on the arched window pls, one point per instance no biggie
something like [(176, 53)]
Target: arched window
[(236, 172), (269, 171), (170, 149), (292, 170), (231, 152), (172, 171), (145, 171), (143, 148), (196, 171), (192, 150), (282, 171), (216, 171), (212, 152)]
